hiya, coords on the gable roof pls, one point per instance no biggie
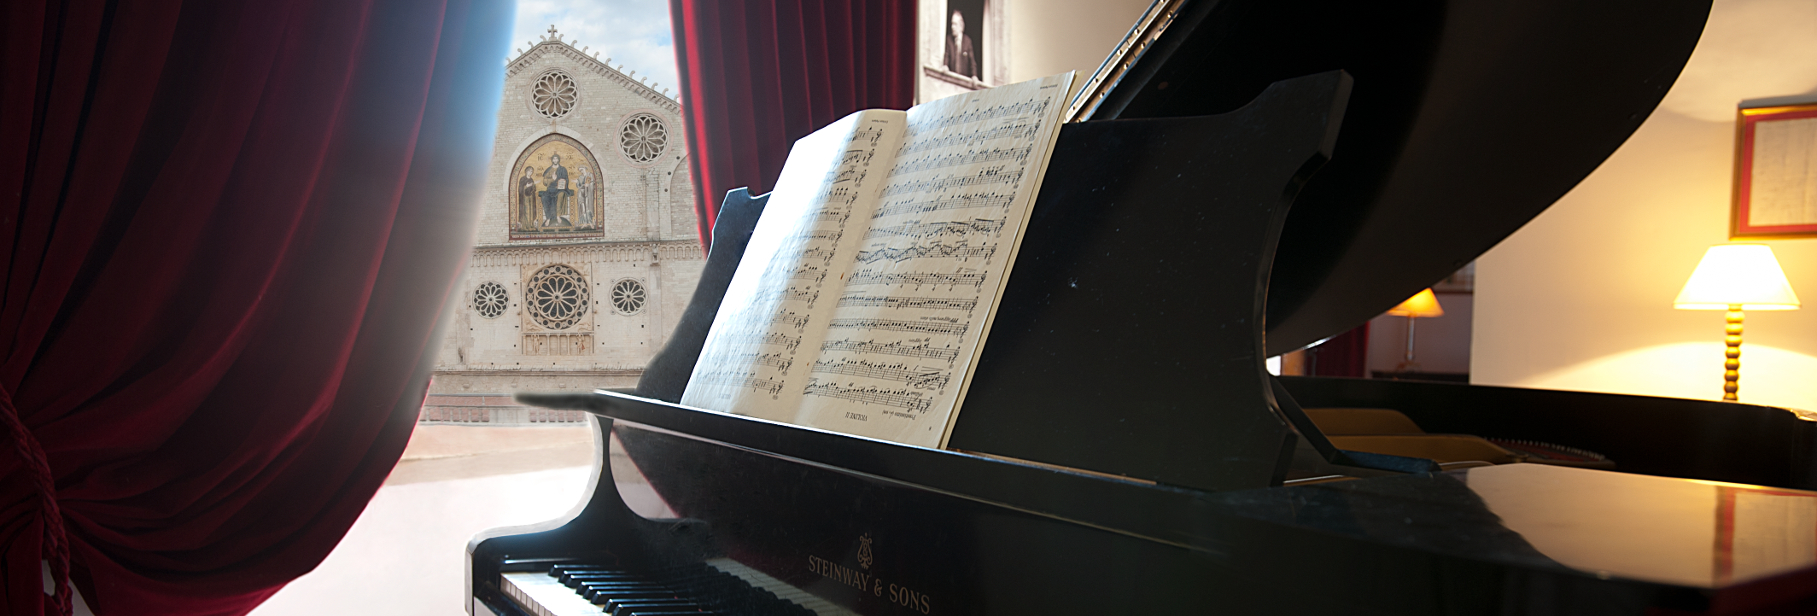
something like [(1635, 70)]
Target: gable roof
[(553, 44)]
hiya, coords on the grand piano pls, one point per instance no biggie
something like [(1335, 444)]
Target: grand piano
[(1246, 177)]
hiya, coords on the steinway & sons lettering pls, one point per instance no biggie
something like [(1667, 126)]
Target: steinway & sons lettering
[(864, 582)]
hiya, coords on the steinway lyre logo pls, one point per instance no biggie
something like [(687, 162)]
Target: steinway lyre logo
[(865, 582)]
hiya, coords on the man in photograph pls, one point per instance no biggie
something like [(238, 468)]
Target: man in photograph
[(960, 57)]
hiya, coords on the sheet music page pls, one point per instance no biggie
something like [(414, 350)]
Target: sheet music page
[(911, 316), (771, 322)]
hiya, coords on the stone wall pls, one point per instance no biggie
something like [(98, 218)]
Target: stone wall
[(575, 306)]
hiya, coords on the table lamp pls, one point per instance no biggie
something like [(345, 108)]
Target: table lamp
[(1422, 305), (1736, 277)]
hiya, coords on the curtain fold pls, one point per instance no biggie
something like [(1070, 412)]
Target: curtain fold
[(758, 74), (230, 228), (1345, 354)]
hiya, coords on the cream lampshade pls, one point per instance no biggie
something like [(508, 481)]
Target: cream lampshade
[(1736, 277), (1422, 305)]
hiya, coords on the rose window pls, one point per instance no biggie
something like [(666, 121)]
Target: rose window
[(557, 297), (489, 300), (643, 137), (554, 94), (628, 296)]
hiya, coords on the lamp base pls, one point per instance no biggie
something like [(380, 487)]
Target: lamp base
[(1731, 375)]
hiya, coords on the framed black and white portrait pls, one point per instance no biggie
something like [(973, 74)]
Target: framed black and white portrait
[(963, 47)]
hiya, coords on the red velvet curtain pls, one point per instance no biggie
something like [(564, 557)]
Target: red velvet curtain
[(1345, 354), (758, 74), (229, 230)]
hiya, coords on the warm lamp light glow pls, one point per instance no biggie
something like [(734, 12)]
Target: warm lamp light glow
[(1736, 278), (1421, 306), (1737, 274)]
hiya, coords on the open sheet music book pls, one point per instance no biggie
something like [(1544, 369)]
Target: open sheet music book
[(872, 277)]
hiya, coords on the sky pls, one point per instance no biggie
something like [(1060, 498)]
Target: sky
[(633, 33)]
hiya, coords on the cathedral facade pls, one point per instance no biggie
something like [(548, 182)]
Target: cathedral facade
[(586, 253)]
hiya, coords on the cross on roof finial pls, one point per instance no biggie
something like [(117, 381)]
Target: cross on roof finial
[(551, 30)]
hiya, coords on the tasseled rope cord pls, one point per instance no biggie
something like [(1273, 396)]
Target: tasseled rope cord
[(56, 541)]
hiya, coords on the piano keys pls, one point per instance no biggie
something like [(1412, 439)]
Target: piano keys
[(563, 587)]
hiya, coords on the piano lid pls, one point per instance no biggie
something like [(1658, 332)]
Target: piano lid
[(1468, 118)]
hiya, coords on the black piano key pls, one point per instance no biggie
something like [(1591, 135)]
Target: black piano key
[(531, 564), (607, 603), (609, 590), (571, 579), (598, 597), (567, 572), (581, 584), (598, 586), (557, 570), (598, 575), (596, 594), (625, 606)]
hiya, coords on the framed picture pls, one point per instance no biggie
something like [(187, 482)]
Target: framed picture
[(1775, 172), (1460, 281), (963, 46)]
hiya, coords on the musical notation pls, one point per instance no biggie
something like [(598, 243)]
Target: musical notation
[(915, 377), (1016, 130), (903, 349), (918, 279), (908, 260), (841, 196), (823, 253), (946, 229), (913, 327), (1000, 174), (904, 399), (1033, 106), (790, 319), (785, 341), (936, 250), (869, 135), (971, 157), (857, 157), (955, 202), (722, 378), (798, 294), (920, 303), (818, 234), (808, 273), (849, 174), (778, 361)]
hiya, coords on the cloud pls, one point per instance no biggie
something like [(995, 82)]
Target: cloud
[(633, 33)]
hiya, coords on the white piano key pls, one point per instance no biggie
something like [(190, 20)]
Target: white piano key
[(546, 596)]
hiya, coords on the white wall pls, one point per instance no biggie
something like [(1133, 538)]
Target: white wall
[(1581, 298), (1055, 36)]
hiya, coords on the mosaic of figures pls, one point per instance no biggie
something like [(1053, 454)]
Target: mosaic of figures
[(556, 192)]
